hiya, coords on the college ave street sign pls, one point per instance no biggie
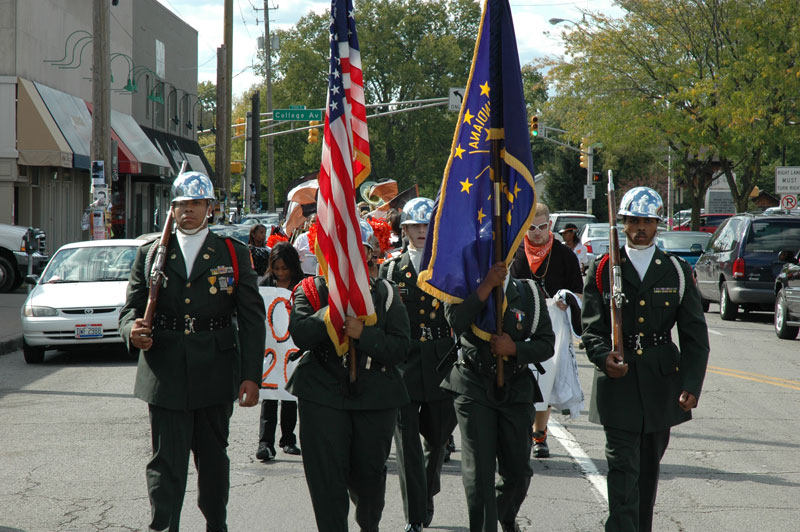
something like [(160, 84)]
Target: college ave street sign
[(296, 114)]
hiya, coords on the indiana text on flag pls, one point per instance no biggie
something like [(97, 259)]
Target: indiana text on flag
[(459, 249), (345, 164)]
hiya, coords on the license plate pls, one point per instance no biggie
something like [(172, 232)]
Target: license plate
[(95, 330)]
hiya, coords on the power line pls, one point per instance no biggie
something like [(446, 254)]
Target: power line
[(244, 23)]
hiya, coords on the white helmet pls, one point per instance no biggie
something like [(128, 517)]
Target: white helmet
[(192, 186), (417, 211), (368, 235), (642, 202)]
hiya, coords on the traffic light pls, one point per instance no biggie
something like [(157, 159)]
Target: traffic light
[(239, 127), (313, 133), (584, 152), (237, 167), (596, 177), (535, 126)]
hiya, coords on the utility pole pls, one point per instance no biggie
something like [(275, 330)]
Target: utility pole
[(226, 124), (221, 150), (101, 85), (270, 152), (254, 164)]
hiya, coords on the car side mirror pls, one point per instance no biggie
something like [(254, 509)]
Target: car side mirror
[(696, 249), (787, 255), (31, 279)]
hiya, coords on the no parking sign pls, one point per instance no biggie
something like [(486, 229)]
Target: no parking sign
[(788, 202)]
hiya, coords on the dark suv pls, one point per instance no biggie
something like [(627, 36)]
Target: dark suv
[(740, 263)]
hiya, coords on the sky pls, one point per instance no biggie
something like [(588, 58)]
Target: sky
[(535, 36)]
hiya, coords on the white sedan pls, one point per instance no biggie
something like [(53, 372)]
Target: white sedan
[(77, 300)]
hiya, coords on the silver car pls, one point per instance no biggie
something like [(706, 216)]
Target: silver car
[(594, 237), (77, 300)]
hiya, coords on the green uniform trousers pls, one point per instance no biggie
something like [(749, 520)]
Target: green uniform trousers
[(500, 435), (419, 469), (175, 433), (345, 452), (634, 460)]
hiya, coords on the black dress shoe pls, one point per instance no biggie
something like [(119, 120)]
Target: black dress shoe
[(291, 449), (413, 527), (510, 527), (265, 452)]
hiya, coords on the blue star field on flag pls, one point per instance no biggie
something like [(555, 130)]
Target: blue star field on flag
[(459, 249)]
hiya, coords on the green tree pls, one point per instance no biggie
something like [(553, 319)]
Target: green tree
[(713, 82)]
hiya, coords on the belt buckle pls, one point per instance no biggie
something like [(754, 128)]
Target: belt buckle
[(188, 324), (427, 332)]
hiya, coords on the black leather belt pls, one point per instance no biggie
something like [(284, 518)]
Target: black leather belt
[(331, 359), (433, 333), (189, 324), (488, 370), (642, 340)]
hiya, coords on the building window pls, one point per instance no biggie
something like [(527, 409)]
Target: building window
[(146, 99), (158, 106)]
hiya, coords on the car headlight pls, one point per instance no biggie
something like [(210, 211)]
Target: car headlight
[(38, 312)]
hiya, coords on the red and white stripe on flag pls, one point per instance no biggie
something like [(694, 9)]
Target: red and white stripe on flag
[(345, 164)]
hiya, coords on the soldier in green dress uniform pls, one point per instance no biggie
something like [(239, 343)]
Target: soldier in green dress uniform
[(346, 430), (657, 385), (430, 412), (194, 362), (496, 433)]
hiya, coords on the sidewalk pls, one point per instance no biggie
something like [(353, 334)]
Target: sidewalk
[(10, 324)]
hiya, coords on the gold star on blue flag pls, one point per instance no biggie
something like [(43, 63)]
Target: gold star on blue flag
[(459, 249)]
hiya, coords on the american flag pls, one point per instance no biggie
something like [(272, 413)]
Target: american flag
[(345, 164)]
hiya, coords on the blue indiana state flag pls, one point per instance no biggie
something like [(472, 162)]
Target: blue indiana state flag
[(459, 250)]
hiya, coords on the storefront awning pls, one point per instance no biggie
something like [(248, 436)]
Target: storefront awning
[(136, 154), (130, 133), (73, 120), (178, 149), (39, 141)]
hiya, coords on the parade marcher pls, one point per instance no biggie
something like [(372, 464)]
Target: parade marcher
[(346, 429), (304, 244), (284, 272), (657, 385), (259, 252), (430, 412), (194, 361), (554, 267), (570, 236), (496, 434)]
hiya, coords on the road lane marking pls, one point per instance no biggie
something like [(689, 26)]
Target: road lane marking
[(597, 480), (712, 331), (755, 377)]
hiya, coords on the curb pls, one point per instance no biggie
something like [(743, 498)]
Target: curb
[(10, 345)]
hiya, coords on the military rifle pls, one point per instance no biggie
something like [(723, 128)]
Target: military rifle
[(617, 296)]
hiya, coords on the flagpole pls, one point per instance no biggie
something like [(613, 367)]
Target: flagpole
[(497, 232)]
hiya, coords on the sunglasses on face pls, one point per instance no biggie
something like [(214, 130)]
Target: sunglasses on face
[(540, 227)]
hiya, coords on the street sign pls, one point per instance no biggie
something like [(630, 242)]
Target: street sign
[(296, 114), (787, 179), (588, 192), (788, 202), (297, 107), (454, 98)]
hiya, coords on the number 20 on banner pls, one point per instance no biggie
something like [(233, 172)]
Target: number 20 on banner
[(278, 346)]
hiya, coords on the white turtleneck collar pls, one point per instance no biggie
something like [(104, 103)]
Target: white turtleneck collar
[(640, 257), (416, 257), (190, 245)]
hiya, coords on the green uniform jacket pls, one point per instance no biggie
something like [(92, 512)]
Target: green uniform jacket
[(518, 321), (647, 396), (427, 321), (197, 369), (320, 376)]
